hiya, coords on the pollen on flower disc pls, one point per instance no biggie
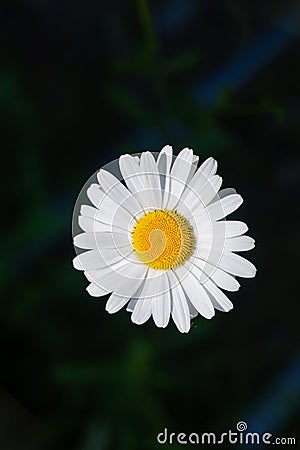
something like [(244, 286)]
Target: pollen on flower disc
[(163, 239)]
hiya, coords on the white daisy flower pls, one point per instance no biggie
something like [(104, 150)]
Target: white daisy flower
[(157, 239)]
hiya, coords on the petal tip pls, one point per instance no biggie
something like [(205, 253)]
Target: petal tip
[(76, 263)]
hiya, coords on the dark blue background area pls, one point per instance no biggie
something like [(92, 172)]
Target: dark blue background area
[(80, 84)]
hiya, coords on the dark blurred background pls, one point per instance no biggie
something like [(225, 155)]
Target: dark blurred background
[(80, 84)]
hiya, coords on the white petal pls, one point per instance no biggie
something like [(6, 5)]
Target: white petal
[(222, 229), (88, 211), (220, 278), (180, 309), (85, 240), (142, 311), (225, 281), (136, 181), (201, 191), (91, 225), (217, 297), (224, 193), (237, 265), (131, 304), (130, 171), (239, 244), (100, 276), (164, 162), (225, 206), (179, 176), (92, 240), (87, 261), (233, 227), (118, 277), (152, 178), (196, 293), (194, 166), (96, 291), (116, 302), (152, 287), (210, 189), (95, 194), (110, 214), (209, 167), (196, 183), (193, 312), (118, 192), (161, 303), (192, 209), (95, 259)]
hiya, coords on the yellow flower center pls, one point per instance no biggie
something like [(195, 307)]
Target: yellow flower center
[(163, 239)]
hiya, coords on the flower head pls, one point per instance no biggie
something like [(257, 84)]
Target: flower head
[(157, 239)]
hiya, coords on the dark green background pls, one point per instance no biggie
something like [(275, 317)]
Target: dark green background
[(80, 84)]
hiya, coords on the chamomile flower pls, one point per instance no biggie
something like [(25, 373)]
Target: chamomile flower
[(156, 239)]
